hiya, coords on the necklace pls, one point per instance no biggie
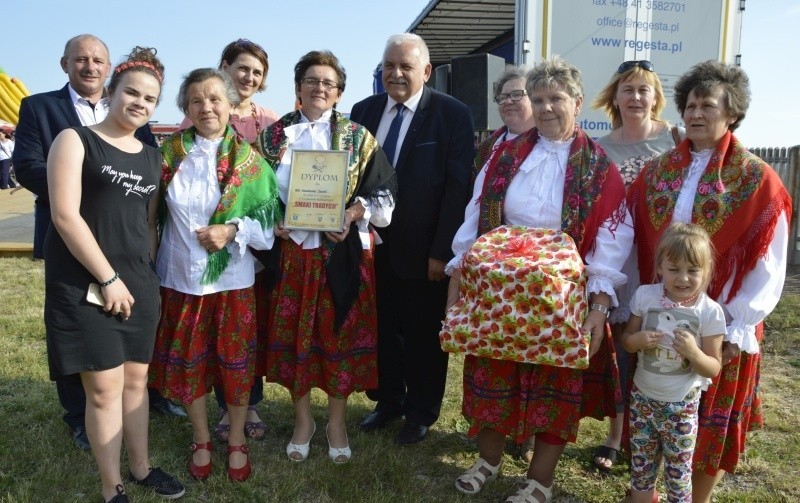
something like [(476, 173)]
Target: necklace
[(671, 304), (255, 117)]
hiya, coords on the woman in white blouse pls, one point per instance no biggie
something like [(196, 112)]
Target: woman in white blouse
[(553, 177), (322, 327), (220, 201), (711, 180)]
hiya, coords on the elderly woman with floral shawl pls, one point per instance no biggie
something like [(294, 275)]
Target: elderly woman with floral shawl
[(550, 177), (220, 199), (322, 328), (710, 179)]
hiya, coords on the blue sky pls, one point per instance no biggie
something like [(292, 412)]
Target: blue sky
[(192, 34)]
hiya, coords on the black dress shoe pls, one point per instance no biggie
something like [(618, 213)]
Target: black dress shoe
[(167, 408), (378, 419), (80, 438), (411, 433)]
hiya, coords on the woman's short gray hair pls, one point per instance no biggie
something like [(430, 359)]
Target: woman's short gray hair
[(202, 75), (554, 72), (510, 73)]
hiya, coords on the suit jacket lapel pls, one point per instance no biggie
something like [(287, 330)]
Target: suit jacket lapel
[(372, 117), (413, 129)]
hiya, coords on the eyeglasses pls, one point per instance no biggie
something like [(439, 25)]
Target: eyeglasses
[(643, 64), (329, 85), (513, 96)]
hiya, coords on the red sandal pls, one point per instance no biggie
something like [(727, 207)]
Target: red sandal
[(239, 474), (199, 472)]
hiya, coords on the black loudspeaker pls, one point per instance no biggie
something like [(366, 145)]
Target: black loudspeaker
[(471, 81), (440, 79)]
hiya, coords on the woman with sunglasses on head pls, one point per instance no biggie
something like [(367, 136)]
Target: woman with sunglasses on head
[(322, 326), (710, 179), (633, 100)]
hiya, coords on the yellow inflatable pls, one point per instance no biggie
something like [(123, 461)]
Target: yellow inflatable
[(12, 90)]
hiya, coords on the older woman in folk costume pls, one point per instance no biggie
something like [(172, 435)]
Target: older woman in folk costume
[(322, 329), (551, 177), (221, 199), (710, 179)]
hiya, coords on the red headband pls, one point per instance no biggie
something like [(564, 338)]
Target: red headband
[(131, 64)]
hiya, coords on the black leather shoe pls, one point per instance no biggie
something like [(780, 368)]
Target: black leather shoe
[(167, 408), (80, 438), (378, 419), (411, 433)]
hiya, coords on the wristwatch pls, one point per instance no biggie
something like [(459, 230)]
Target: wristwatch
[(600, 307)]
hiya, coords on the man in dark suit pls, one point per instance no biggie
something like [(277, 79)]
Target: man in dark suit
[(82, 102), (428, 136)]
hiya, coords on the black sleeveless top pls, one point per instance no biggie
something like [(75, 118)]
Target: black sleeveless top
[(116, 187)]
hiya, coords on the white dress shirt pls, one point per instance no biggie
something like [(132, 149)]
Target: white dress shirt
[(761, 288), (6, 149), (316, 135), (192, 198), (388, 116), (89, 115), (534, 199)]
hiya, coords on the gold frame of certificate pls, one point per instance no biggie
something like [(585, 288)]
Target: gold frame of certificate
[(317, 190)]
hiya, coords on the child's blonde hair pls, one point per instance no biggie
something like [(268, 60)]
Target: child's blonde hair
[(688, 242)]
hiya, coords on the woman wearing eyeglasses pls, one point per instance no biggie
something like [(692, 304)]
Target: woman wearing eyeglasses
[(554, 180), (321, 325), (711, 180), (633, 100), (515, 112)]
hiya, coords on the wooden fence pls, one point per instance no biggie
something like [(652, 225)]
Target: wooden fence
[(786, 161)]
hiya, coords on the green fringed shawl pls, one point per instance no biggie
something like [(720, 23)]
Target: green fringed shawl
[(246, 181)]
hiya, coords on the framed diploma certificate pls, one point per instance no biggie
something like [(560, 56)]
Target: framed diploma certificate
[(317, 190)]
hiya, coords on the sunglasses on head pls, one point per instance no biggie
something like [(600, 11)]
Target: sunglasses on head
[(643, 64)]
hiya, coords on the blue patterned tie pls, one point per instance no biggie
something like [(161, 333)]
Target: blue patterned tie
[(390, 143)]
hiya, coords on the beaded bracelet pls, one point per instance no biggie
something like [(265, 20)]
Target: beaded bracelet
[(115, 278)]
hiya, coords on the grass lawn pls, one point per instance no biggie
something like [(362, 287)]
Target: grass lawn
[(38, 462)]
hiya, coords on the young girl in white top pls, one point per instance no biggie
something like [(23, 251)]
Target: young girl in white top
[(677, 330)]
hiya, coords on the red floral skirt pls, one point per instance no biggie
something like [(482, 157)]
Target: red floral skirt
[(521, 399), (729, 409), (203, 341), (303, 349)]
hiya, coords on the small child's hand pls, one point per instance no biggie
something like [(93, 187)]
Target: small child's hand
[(646, 339), (685, 343)]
